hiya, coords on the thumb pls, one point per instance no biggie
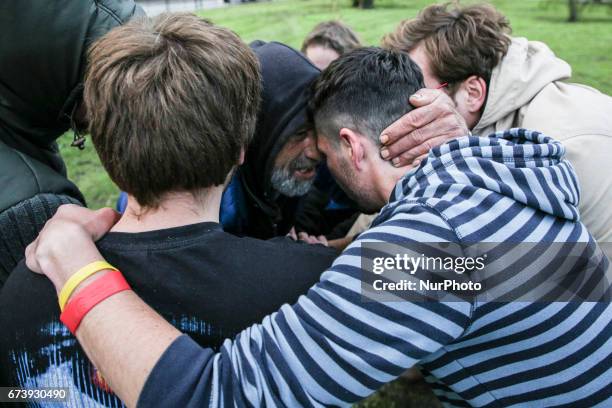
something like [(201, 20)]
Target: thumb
[(101, 222), (424, 97)]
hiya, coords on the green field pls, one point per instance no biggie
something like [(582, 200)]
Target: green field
[(586, 45)]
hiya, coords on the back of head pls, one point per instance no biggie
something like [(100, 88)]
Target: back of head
[(332, 34), (171, 102), (366, 90), (460, 41)]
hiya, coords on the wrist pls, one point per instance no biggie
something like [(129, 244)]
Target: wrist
[(100, 287), (79, 277), (88, 281), (59, 271)]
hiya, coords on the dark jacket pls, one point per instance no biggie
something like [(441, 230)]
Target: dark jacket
[(42, 61), (207, 283), (250, 205)]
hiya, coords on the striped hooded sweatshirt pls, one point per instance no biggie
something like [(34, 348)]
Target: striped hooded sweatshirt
[(333, 348)]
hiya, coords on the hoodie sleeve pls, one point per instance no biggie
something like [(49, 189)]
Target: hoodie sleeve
[(327, 349), (20, 225)]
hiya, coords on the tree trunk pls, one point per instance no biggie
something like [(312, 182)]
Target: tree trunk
[(367, 4), (573, 10), (364, 4)]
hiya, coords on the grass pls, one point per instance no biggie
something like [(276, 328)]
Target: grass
[(585, 45)]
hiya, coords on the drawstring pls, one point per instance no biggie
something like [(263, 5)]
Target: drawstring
[(79, 140)]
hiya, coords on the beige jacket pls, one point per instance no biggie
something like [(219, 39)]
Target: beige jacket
[(527, 90)]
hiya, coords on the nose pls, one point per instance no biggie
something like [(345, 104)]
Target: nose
[(310, 148)]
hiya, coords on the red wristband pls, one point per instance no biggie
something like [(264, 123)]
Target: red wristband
[(94, 293)]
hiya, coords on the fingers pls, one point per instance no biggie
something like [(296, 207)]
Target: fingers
[(311, 239), (96, 223), (432, 125), (30, 256), (417, 162), (410, 121), (425, 96), (292, 234), (66, 242), (102, 221), (431, 135), (302, 236)]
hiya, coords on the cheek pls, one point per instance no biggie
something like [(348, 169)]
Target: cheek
[(430, 80), (460, 98)]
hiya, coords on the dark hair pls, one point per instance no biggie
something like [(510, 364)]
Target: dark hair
[(459, 41), (366, 89), (332, 34), (171, 102)]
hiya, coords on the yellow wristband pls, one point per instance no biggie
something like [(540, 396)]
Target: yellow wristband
[(76, 279)]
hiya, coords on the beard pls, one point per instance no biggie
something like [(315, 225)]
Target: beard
[(363, 197), (361, 194), (284, 180)]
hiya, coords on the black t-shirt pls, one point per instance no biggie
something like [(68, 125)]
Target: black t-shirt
[(207, 283)]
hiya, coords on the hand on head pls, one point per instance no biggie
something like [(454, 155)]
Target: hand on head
[(433, 122), (66, 243)]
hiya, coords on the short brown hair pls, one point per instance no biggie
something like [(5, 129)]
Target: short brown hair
[(459, 41), (171, 101), (332, 34)]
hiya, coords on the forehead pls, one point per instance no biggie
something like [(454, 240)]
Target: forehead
[(420, 57), (321, 56), (323, 144)]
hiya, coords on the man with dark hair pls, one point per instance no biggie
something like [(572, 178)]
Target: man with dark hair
[(343, 339), (358, 104), (498, 82), (43, 47), (172, 104)]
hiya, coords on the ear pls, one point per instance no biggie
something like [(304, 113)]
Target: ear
[(476, 93), (354, 142)]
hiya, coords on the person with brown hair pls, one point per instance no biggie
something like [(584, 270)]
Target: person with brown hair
[(172, 103), (498, 82), (327, 41)]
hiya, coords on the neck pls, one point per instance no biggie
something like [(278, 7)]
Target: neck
[(175, 210), (387, 178)]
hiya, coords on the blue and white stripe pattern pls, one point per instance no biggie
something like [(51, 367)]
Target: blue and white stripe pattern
[(332, 348)]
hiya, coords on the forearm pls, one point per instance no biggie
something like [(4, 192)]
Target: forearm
[(331, 348), (124, 338)]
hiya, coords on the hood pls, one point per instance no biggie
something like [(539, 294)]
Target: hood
[(287, 76), (42, 64), (522, 165), (527, 67)]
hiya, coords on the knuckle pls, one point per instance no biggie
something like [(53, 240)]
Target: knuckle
[(62, 209), (417, 136), (426, 146), (414, 118), (406, 158)]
